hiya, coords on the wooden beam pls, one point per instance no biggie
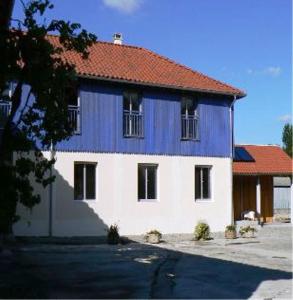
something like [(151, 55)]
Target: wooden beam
[(258, 197)]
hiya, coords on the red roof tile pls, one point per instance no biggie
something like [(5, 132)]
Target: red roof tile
[(138, 65), (269, 160)]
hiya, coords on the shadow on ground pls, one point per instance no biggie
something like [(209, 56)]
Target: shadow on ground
[(133, 270)]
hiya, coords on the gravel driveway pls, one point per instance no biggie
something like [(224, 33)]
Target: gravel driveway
[(177, 268)]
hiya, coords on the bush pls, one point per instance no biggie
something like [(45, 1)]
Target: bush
[(230, 228), (202, 231), (155, 231), (153, 236), (113, 236)]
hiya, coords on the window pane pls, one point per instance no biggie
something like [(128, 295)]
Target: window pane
[(197, 184), (141, 182), (126, 101), (135, 102), (78, 181), (71, 95), (152, 182), (90, 181), (206, 183)]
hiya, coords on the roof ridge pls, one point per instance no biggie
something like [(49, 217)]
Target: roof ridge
[(105, 42), (192, 70)]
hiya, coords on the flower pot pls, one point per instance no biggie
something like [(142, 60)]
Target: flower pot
[(230, 234), (153, 238), (249, 234)]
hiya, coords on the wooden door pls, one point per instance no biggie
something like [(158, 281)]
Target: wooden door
[(244, 194)]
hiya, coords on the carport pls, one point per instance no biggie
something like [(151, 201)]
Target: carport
[(254, 170)]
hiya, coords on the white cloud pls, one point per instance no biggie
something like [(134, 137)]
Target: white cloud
[(270, 71), (285, 118), (125, 6)]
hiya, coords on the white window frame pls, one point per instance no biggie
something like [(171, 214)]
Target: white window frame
[(78, 114), (130, 111), (84, 180), (195, 116), (145, 165), (201, 199)]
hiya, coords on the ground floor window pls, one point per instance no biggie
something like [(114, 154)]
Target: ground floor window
[(84, 181), (202, 183), (147, 181)]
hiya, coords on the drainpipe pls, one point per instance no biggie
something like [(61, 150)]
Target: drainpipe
[(231, 110), (51, 193)]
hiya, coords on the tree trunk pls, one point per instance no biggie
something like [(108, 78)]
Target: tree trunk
[(6, 7)]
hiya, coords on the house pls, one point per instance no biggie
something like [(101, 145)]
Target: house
[(152, 148), (255, 169)]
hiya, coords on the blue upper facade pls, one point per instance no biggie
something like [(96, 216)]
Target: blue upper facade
[(101, 123)]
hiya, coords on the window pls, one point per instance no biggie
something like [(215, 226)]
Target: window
[(189, 119), (72, 99), (84, 181), (5, 104), (147, 182), (132, 115), (202, 183)]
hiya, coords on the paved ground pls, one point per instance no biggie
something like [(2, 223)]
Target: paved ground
[(178, 268)]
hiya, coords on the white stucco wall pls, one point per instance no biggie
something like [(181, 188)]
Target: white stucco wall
[(175, 210)]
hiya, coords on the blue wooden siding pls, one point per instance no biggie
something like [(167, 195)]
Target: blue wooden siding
[(102, 126)]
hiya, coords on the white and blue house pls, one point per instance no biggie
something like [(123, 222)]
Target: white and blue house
[(152, 149)]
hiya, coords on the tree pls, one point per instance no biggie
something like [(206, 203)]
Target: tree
[(287, 139), (32, 62)]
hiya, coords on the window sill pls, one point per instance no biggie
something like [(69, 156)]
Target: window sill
[(189, 140), (148, 200), (84, 200), (208, 200), (133, 137)]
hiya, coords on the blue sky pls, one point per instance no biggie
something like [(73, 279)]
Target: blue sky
[(246, 43)]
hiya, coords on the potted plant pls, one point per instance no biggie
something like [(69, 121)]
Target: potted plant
[(113, 236), (230, 232), (153, 236), (247, 231), (202, 231)]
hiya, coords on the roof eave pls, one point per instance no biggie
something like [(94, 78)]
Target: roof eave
[(262, 174), (237, 95)]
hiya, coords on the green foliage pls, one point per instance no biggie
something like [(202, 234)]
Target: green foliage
[(202, 231), (287, 139), (230, 228), (156, 232), (113, 236), (30, 60)]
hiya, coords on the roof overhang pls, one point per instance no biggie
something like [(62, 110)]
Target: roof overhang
[(149, 84)]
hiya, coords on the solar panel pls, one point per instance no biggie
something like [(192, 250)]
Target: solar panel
[(240, 154)]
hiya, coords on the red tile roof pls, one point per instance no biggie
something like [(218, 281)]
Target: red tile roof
[(269, 160), (141, 66)]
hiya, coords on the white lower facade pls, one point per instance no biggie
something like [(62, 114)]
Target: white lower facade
[(174, 211)]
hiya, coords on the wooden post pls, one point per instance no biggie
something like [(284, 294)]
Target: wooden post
[(258, 198), (291, 199)]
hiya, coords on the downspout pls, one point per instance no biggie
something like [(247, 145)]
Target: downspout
[(231, 110), (51, 194)]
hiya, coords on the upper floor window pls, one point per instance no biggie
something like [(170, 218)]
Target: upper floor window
[(189, 119), (202, 183), (72, 99), (132, 115), (5, 104)]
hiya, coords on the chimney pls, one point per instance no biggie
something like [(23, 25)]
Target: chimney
[(117, 38)]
